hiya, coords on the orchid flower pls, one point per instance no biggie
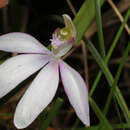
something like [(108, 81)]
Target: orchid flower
[(33, 56)]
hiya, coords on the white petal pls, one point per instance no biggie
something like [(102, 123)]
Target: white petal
[(76, 91), (16, 69), (21, 43), (62, 50), (37, 96)]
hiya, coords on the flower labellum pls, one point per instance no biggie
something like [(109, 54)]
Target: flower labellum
[(33, 56)]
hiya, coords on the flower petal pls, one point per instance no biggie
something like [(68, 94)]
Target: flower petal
[(37, 96), (16, 69), (62, 50), (21, 43), (76, 91), (69, 24)]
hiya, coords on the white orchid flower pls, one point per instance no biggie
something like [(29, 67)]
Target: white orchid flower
[(33, 56)]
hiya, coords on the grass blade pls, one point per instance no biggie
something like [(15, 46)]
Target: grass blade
[(110, 51), (99, 27), (126, 52), (109, 78), (100, 115), (84, 18)]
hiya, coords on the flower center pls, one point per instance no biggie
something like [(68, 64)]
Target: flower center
[(62, 39)]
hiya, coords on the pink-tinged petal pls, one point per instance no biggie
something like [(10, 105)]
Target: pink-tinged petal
[(76, 91), (16, 69), (37, 96), (62, 39), (21, 43)]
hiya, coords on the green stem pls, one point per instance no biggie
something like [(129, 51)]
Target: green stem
[(126, 52), (109, 78), (99, 27), (99, 114), (110, 51)]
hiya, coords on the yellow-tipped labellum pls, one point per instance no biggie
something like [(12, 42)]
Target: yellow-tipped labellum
[(68, 31)]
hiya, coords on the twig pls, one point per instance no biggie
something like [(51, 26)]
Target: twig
[(122, 6), (71, 7), (118, 14), (85, 62)]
